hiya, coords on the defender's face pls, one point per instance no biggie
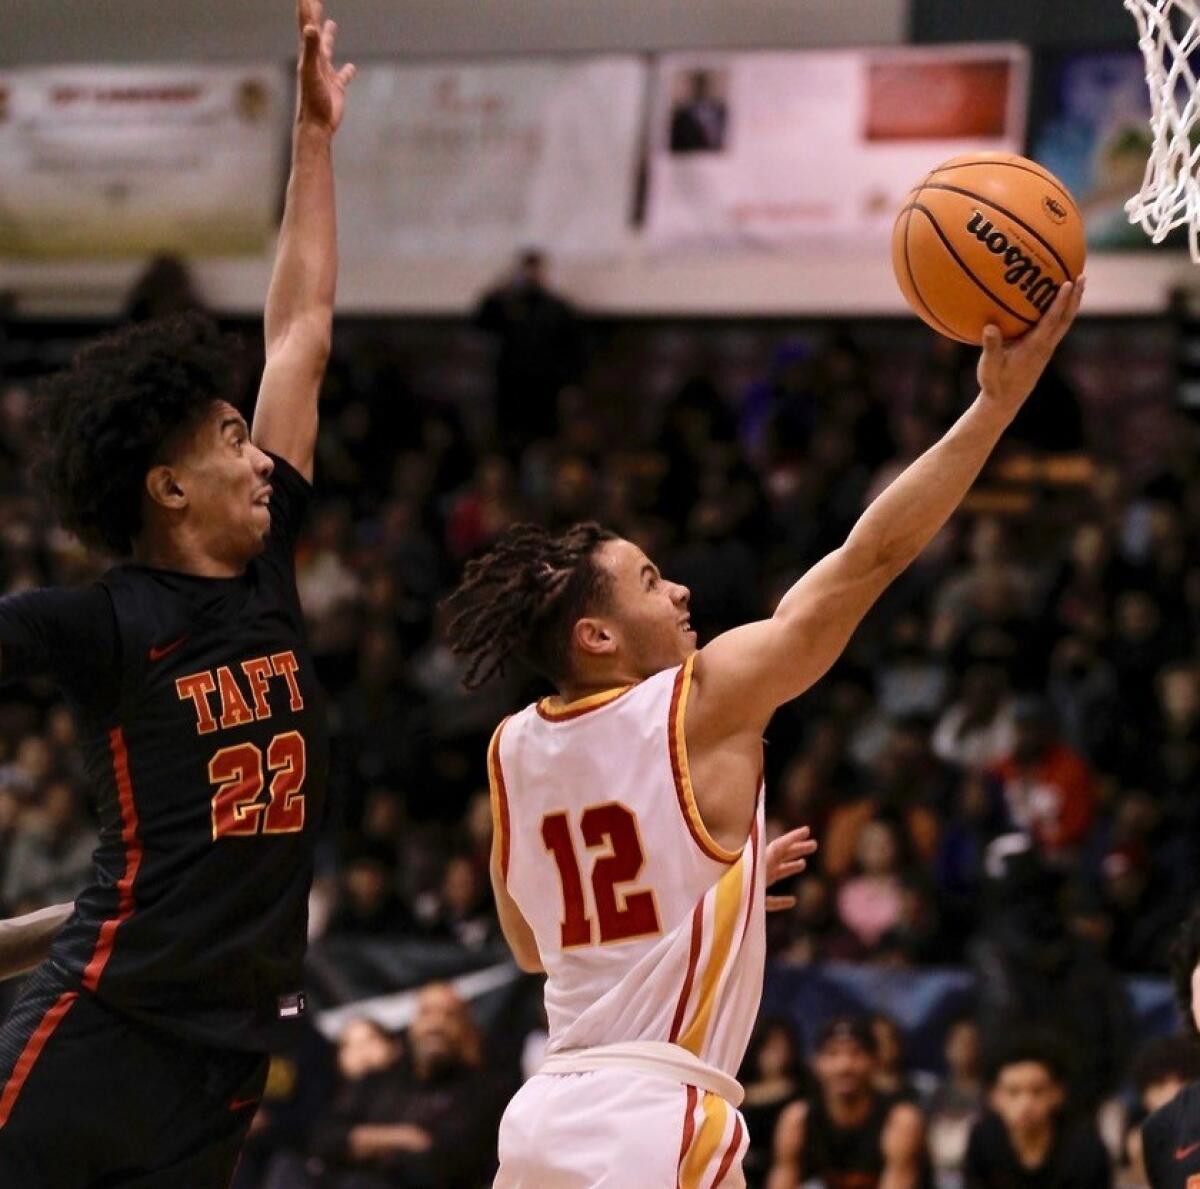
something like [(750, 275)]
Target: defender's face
[(649, 614), (227, 481)]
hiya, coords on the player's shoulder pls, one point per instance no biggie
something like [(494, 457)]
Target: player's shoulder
[(1164, 1123)]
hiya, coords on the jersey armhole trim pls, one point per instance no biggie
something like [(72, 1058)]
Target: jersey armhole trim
[(677, 738), (499, 798)]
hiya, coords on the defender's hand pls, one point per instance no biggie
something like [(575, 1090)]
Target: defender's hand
[(1008, 371), (322, 88), (787, 855)]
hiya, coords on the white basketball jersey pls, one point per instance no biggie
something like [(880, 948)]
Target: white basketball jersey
[(648, 930)]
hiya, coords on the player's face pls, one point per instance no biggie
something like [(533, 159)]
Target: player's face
[(227, 482), (1026, 1096), (844, 1068), (650, 614)]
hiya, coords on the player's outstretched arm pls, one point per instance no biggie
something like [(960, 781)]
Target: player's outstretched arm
[(299, 313), (744, 675), (25, 940)]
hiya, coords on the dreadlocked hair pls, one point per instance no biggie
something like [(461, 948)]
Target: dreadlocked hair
[(523, 597)]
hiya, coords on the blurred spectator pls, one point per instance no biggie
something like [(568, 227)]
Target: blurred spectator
[(956, 1102), (540, 350), (431, 1127), (773, 1074), (51, 853), (1047, 787), (164, 288), (848, 1135), (1034, 972), (869, 903), (977, 729), (367, 903), (1028, 1137)]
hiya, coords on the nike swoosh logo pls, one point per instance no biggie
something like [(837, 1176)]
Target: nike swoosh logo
[(1184, 1153), (156, 653), (238, 1103)]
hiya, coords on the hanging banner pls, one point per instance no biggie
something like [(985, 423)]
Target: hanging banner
[(135, 160), (477, 160), (786, 148), (1090, 125)]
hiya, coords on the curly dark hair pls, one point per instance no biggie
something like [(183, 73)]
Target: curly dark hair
[(123, 403), (523, 597), (1185, 957), (1032, 1045)]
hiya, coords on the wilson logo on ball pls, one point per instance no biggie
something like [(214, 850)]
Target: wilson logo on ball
[(1054, 209), (1020, 270)]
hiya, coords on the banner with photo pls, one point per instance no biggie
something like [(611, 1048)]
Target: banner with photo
[(461, 160), (122, 161), (1090, 125), (784, 148)]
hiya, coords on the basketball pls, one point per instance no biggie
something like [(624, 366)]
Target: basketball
[(988, 237)]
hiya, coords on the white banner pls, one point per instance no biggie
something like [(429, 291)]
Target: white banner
[(786, 148), (477, 160), (133, 160)]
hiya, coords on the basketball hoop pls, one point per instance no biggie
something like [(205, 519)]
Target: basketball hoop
[(1169, 34)]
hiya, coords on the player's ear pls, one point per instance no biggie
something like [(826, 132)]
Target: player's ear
[(162, 486), (594, 637)]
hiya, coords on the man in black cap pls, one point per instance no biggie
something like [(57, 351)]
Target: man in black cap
[(849, 1136)]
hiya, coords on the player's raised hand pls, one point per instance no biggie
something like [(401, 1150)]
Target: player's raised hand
[(786, 856), (1008, 371), (322, 87)]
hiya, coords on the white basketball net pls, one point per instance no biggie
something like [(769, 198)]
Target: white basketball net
[(1169, 33)]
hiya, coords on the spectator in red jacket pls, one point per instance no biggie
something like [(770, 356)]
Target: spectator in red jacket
[(1047, 787)]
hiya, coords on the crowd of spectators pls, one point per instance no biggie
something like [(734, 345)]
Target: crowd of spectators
[(1000, 770)]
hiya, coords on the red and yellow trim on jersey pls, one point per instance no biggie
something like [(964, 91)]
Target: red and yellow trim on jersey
[(556, 710), (133, 860), (727, 901), (701, 1145), (32, 1051), (501, 831), (677, 738)]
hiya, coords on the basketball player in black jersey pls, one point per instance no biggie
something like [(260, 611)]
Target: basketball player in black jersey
[(135, 1055), (1171, 1135)]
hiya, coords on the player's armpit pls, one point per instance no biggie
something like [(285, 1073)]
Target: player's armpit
[(903, 1144), (743, 676), (515, 928), (25, 940)]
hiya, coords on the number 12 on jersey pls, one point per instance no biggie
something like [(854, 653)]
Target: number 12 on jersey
[(622, 913)]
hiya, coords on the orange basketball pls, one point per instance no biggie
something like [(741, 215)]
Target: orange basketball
[(989, 237)]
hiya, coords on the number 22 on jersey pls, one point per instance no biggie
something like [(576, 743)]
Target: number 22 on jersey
[(620, 913)]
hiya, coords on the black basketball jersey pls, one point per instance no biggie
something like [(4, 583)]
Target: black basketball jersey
[(209, 776)]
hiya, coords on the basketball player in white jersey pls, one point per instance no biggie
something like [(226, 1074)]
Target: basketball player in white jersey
[(628, 861)]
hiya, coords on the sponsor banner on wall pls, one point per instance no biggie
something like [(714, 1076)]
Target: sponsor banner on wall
[(126, 161), (786, 148), (1090, 125), (461, 160)]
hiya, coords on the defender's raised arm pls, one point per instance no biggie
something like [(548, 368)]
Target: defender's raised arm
[(299, 312)]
